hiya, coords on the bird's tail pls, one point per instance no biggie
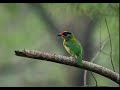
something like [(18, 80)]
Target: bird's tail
[(79, 60)]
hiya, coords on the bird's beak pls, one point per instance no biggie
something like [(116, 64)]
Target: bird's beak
[(59, 34)]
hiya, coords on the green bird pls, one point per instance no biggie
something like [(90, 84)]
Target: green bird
[(72, 45)]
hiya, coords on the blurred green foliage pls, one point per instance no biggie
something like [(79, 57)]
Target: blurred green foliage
[(21, 28)]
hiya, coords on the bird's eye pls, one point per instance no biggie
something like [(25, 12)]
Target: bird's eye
[(68, 35), (65, 34)]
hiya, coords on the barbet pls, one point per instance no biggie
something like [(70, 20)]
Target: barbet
[(72, 45)]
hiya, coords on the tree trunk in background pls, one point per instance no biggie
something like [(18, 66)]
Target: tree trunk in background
[(83, 24), (86, 27), (41, 12)]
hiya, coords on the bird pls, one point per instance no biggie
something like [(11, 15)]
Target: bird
[(72, 45)]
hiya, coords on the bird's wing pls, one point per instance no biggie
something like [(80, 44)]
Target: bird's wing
[(75, 47)]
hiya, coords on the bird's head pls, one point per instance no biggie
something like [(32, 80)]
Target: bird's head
[(65, 35)]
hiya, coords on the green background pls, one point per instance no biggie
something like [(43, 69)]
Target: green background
[(22, 27)]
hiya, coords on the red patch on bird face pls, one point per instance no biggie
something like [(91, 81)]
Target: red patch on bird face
[(62, 33)]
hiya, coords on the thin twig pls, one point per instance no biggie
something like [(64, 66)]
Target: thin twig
[(68, 61), (105, 53), (100, 35), (96, 84), (100, 50), (100, 42), (110, 45), (103, 45), (92, 61), (85, 77)]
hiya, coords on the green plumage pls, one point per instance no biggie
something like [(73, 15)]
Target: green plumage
[(74, 48)]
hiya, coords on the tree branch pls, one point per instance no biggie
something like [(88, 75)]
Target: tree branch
[(69, 61)]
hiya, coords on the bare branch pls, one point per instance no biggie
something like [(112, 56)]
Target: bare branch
[(68, 61)]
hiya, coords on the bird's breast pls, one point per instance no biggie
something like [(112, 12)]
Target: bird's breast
[(65, 44)]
